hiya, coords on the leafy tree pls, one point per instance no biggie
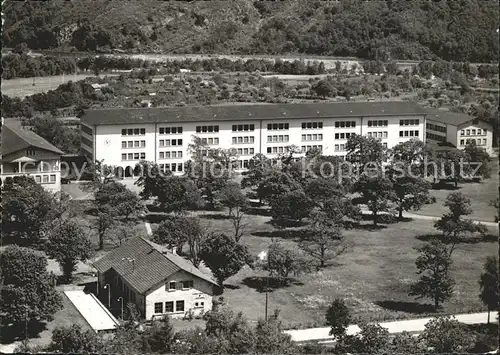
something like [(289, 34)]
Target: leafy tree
[(68, 244), (433, 266), (488, 284), (324, 88), (453, 165), (372, 339), (224, 256), (447, 335), (114, 202), (74, 339), (275, 184), (231, 330), (411, 193), (338, 318), (477, 155), (293, 205), (362, 150), (452, 224), (26, 207), (121, 201), (282, 261), (324, 239), (258, 167), (54, 131), (160, 336), (377, 193), (178, 231), (270, 338), (233, 198), (409, 152), (28, 291), (406, 343), (209, 169), (127, 340)]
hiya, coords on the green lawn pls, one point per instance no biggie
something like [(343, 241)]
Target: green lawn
[(480, 195), (373, 276)]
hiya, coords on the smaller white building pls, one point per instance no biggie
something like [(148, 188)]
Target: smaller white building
[(23, 152), (457, 129), (159, 282)]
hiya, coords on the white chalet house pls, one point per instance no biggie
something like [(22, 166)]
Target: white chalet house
[(159, 282), (23, 152)]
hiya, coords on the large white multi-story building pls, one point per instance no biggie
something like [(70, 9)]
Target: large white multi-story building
[(122, 137)]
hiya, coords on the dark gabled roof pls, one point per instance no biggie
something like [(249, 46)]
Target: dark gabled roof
[(15, 138), (152, 264), (447, 117), (112, 116)]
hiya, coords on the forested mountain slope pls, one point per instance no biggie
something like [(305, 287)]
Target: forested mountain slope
[(455, 30)]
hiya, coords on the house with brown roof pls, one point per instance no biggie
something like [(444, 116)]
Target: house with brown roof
[(156, 280), (23, 152)]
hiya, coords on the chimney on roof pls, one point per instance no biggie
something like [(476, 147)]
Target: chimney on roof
[(174, 250)]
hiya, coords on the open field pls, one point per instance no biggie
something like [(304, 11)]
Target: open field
[(373, 275), (480, 194), (21, 87)]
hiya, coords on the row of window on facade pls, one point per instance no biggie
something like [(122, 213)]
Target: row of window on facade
[(473, 132), (207, 129), (312, 125), (170, 130), (342, 147), (411, 122), (133, 144), (170, 142), (346, 135), (278, 138), (243, 140), (312, 137), (173, 167), (408, 133), (45, 179), (478, 141), (171, 155), (134, 132), (243, 128), (435, 137), (270, 127), (381, 134), (436, 128), (308, 148), (169, 307), (133, 156), (378, 123)]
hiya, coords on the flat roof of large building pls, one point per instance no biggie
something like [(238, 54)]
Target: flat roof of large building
[(116, 116)]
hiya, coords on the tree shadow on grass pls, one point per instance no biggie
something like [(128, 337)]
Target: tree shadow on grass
[(369, 226), (257, 211), (486, 238), (293, 234), (214, 216), (445, 185), (408, 307), (260, 283), (12, 333)]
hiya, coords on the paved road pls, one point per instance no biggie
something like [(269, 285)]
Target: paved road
[(414, 325), (431, 218)]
